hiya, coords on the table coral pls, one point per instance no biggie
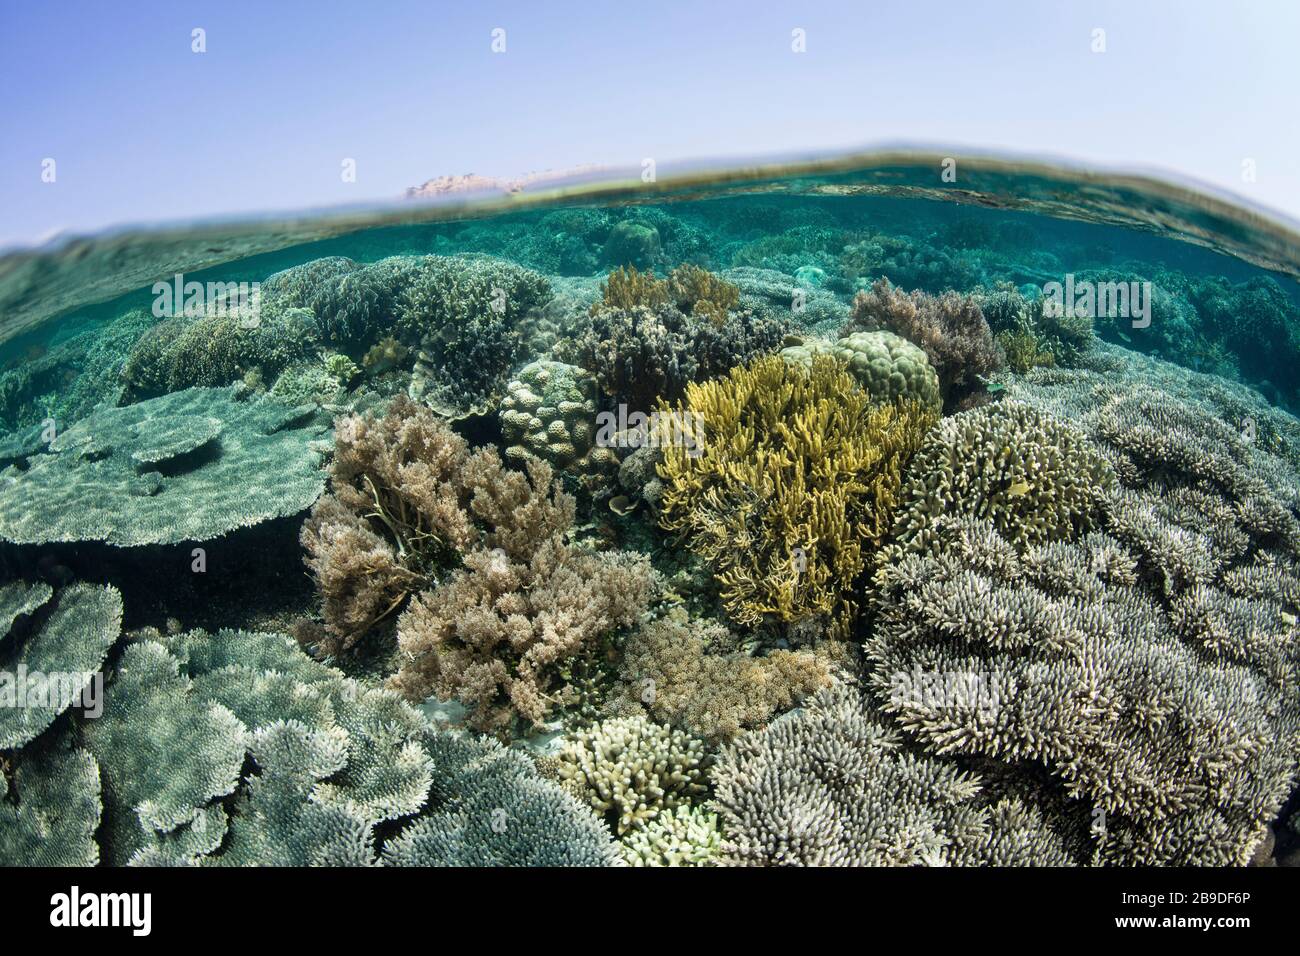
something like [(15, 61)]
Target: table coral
[(127, 476)]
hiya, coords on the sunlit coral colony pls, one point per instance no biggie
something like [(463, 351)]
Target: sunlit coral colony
[(789, 526)]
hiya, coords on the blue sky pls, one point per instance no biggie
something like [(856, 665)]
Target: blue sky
[(143, 129)]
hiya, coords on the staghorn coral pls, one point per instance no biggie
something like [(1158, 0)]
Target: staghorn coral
[(626, 288), (642, 348), (950, 328), (189, 466), (834, 786), (630, 769), (689, 674), (786, 477), (1034, 477), (887, 367)]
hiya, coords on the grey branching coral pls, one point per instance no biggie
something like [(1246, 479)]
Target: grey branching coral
[(690, 674), (1033, 476), (834, 786), (1148, 664), (188, 466), (630, 769), (950, 328)]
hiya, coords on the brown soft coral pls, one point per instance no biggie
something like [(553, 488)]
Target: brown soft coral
[(949, 327), (496, 634), (396, 514), (690, 674)]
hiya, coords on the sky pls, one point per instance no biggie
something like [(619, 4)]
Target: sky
[(141, 128)]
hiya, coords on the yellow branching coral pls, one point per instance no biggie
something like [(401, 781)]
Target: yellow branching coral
[(780, 476), (698, 291), (627, 289)]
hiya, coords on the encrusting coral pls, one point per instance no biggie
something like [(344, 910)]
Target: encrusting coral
[(950, 328), (784, 480), (189, 466)]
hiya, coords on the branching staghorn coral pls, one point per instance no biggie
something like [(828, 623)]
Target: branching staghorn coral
[(1034, 477), (690, 674), (630, 769), (950, 328), (832, 785), (189, 466), (1150, 664), (789, 476)]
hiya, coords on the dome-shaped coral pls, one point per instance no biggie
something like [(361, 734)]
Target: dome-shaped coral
[(887, 366)]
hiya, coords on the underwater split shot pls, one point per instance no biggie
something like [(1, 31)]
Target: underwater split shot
[(674, 436)]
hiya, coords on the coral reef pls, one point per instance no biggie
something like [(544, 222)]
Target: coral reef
[(786, 480), (950, 328), (189, 466)]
